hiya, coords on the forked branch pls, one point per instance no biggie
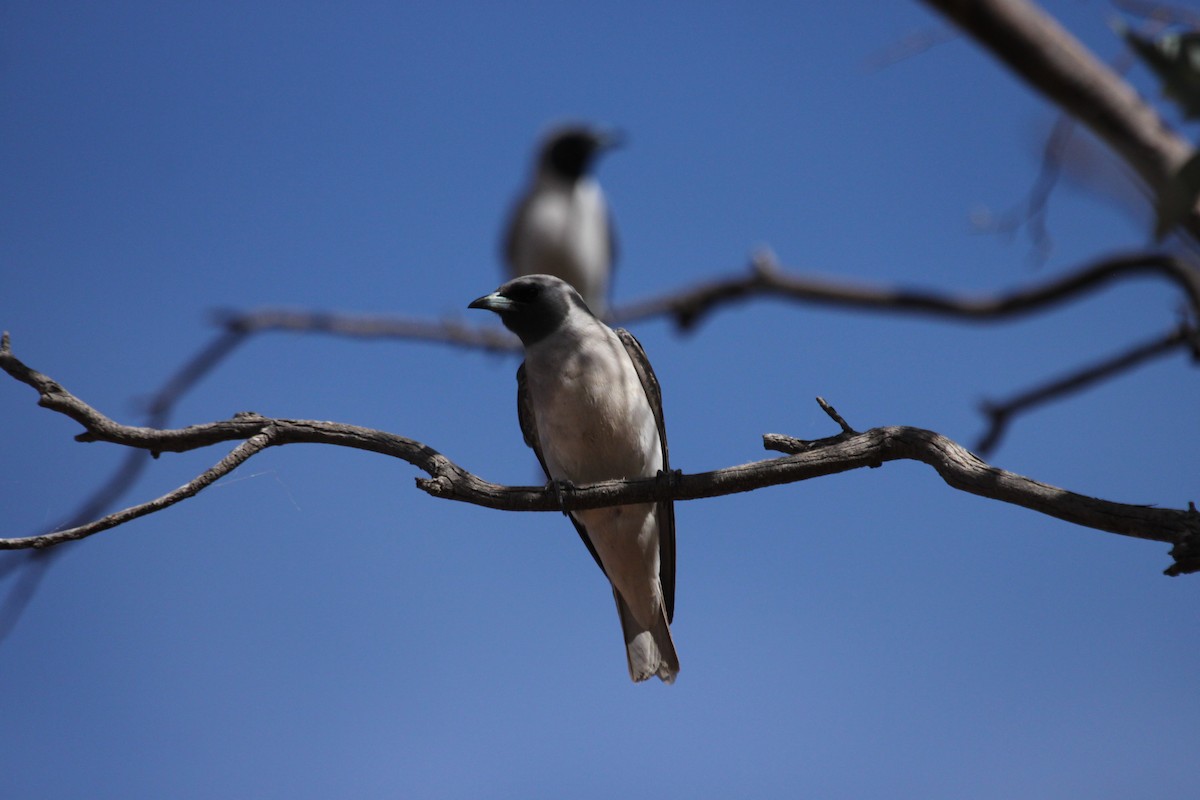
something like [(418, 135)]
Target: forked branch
[(689, 305), (767, 279), (1034, 46), (1000, 413), (807, 459)]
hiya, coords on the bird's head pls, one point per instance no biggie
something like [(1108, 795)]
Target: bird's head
[(532, 306), (570, 151)]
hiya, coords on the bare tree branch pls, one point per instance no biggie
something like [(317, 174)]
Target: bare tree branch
[(1032, 213), (236, 457), (809, 459), (450, 332), (1034, 46), (27, 569), (190, 373), (687, 306), (766, 279), (1062, 151), (1001, 413)]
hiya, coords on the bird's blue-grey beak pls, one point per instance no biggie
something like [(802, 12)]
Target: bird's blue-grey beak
[(492, 302)]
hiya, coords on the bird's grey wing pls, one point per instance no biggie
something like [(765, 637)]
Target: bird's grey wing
[(528, 422), (666, 509)]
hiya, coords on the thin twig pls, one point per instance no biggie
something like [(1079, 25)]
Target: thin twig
[(1031, 214), (223, 467), (448, 331), (687, 307), (1060, 144), (159, 406), (835, 416), (957, 466), (1052, 61), (26, 569), (1000, 413), (766, 279)]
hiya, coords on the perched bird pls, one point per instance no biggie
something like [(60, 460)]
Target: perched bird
[(590, 407), (561, 226)]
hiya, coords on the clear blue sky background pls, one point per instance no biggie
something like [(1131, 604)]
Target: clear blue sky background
[(314, 626)]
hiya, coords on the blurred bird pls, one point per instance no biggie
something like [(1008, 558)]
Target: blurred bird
[(590, 407), (561, 225)]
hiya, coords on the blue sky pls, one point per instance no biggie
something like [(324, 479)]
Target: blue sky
[(313, 626)]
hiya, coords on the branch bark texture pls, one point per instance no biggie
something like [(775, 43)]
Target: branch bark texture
[(1039, 50), (688, 306), (766, 279), (806, 459), (1000, 413)]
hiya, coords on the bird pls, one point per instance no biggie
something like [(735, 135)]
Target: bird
[(561, 225), (590, 406)]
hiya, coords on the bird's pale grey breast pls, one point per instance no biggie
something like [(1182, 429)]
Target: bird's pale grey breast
[(591, 408), (561, 224)]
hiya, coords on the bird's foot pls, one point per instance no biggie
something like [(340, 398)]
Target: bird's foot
[(670, 477), (562, 491)]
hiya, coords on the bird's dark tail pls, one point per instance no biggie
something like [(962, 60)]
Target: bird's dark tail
[(650, 651)]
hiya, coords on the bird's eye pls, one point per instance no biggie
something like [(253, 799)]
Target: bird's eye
[(523, 292)]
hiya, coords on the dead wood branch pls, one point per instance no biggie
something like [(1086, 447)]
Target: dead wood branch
[(26, 569), (1047, 57), (1001, 413), (765, 278), (808, 459), (450, 332)]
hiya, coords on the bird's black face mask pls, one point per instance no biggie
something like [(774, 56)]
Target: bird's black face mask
[(532, 306)]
